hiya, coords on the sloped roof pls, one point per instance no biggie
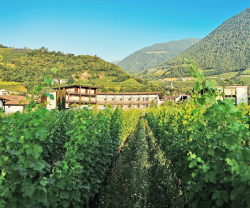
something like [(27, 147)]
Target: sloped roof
[(14, 100), (2, 98)]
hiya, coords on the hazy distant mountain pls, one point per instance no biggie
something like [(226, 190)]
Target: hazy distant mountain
[(225, 49), (148, 57), (115, 62)]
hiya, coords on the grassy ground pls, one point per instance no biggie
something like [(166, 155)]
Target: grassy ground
[(245, 79), (160, 83), (180, 84), (14, 88), (170, 79), (246, 72), (160, 72), (225, 75), (9, 83), (139, 175), (184, 85)]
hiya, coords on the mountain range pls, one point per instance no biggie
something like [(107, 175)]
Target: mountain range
[(226, 49), (150, 56)]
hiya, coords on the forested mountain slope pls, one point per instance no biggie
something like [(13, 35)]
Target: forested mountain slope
[(148, 57), (30, 68), (33, 66), (225, 49)]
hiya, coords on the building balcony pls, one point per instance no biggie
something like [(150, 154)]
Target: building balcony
[(124, 102), (82, 102), (82, 94)]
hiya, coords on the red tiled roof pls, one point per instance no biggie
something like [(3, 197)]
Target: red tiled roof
[(14, 100)]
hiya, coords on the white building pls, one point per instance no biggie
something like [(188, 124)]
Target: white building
[(128, 99), (13, 103), (82, 95), (2, 103), (4, 92), (56, 81), (51, 104), (237, 93)]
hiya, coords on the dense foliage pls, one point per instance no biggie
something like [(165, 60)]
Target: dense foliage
[(226, 49), (138, 177), (2, 46), (207, 143), (130, 85), (151, 56), (31, 67), (58, 158)]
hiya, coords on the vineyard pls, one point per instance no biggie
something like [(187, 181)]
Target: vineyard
[(191, 154), (207, 144), (58, 159)]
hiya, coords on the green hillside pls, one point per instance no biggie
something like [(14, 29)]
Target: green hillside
[(29, 69), (148, 57), (226, 49), (34, 65)]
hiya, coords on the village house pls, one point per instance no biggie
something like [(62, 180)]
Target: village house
[(4, 92), (56, 81), (12, 104), (21, 50), (171, 85), (2, 103)]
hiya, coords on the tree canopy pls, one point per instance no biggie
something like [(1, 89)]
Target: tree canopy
[(33, 66)]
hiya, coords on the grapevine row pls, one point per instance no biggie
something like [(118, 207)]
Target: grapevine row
[(58, 158), (206, 141)]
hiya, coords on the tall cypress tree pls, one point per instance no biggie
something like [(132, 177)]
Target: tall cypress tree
[(59, 100), (63, 99)]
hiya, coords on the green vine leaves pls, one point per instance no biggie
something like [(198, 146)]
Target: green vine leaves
[(207, 141)]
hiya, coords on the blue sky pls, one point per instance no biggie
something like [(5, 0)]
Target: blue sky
[(110, 29)]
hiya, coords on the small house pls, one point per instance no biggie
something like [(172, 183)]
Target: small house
[(13, 104), (2, 103)]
